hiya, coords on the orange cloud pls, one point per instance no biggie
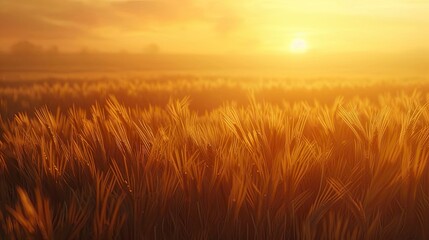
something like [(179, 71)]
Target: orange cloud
[(53, 19)]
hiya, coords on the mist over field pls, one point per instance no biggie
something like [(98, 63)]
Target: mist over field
[(28, 57)]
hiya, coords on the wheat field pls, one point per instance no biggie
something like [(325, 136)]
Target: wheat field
[(189, 157)]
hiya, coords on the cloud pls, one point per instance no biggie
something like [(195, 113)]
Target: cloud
[(159, 11), (228, 24), (46, 19), (25, 26), (69, 18)]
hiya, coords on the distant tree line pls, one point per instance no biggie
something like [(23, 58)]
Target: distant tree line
[(28, 48)]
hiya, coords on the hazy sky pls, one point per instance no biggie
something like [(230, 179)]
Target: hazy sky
[(218, 26)]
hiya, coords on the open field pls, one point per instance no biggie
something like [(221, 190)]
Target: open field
[(193, 157)]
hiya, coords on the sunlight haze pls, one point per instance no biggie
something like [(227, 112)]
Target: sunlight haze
[(217, 27), (214, 119)]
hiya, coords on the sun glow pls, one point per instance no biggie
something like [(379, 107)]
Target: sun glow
[(298, 45)]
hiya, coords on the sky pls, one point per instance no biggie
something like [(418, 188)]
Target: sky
[(218, 26)]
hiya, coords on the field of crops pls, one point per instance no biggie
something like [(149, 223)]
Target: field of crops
[(190, 157)]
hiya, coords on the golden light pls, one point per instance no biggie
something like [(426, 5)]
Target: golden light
[(298, 45)]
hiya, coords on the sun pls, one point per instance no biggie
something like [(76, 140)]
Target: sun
[(298, 45)]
